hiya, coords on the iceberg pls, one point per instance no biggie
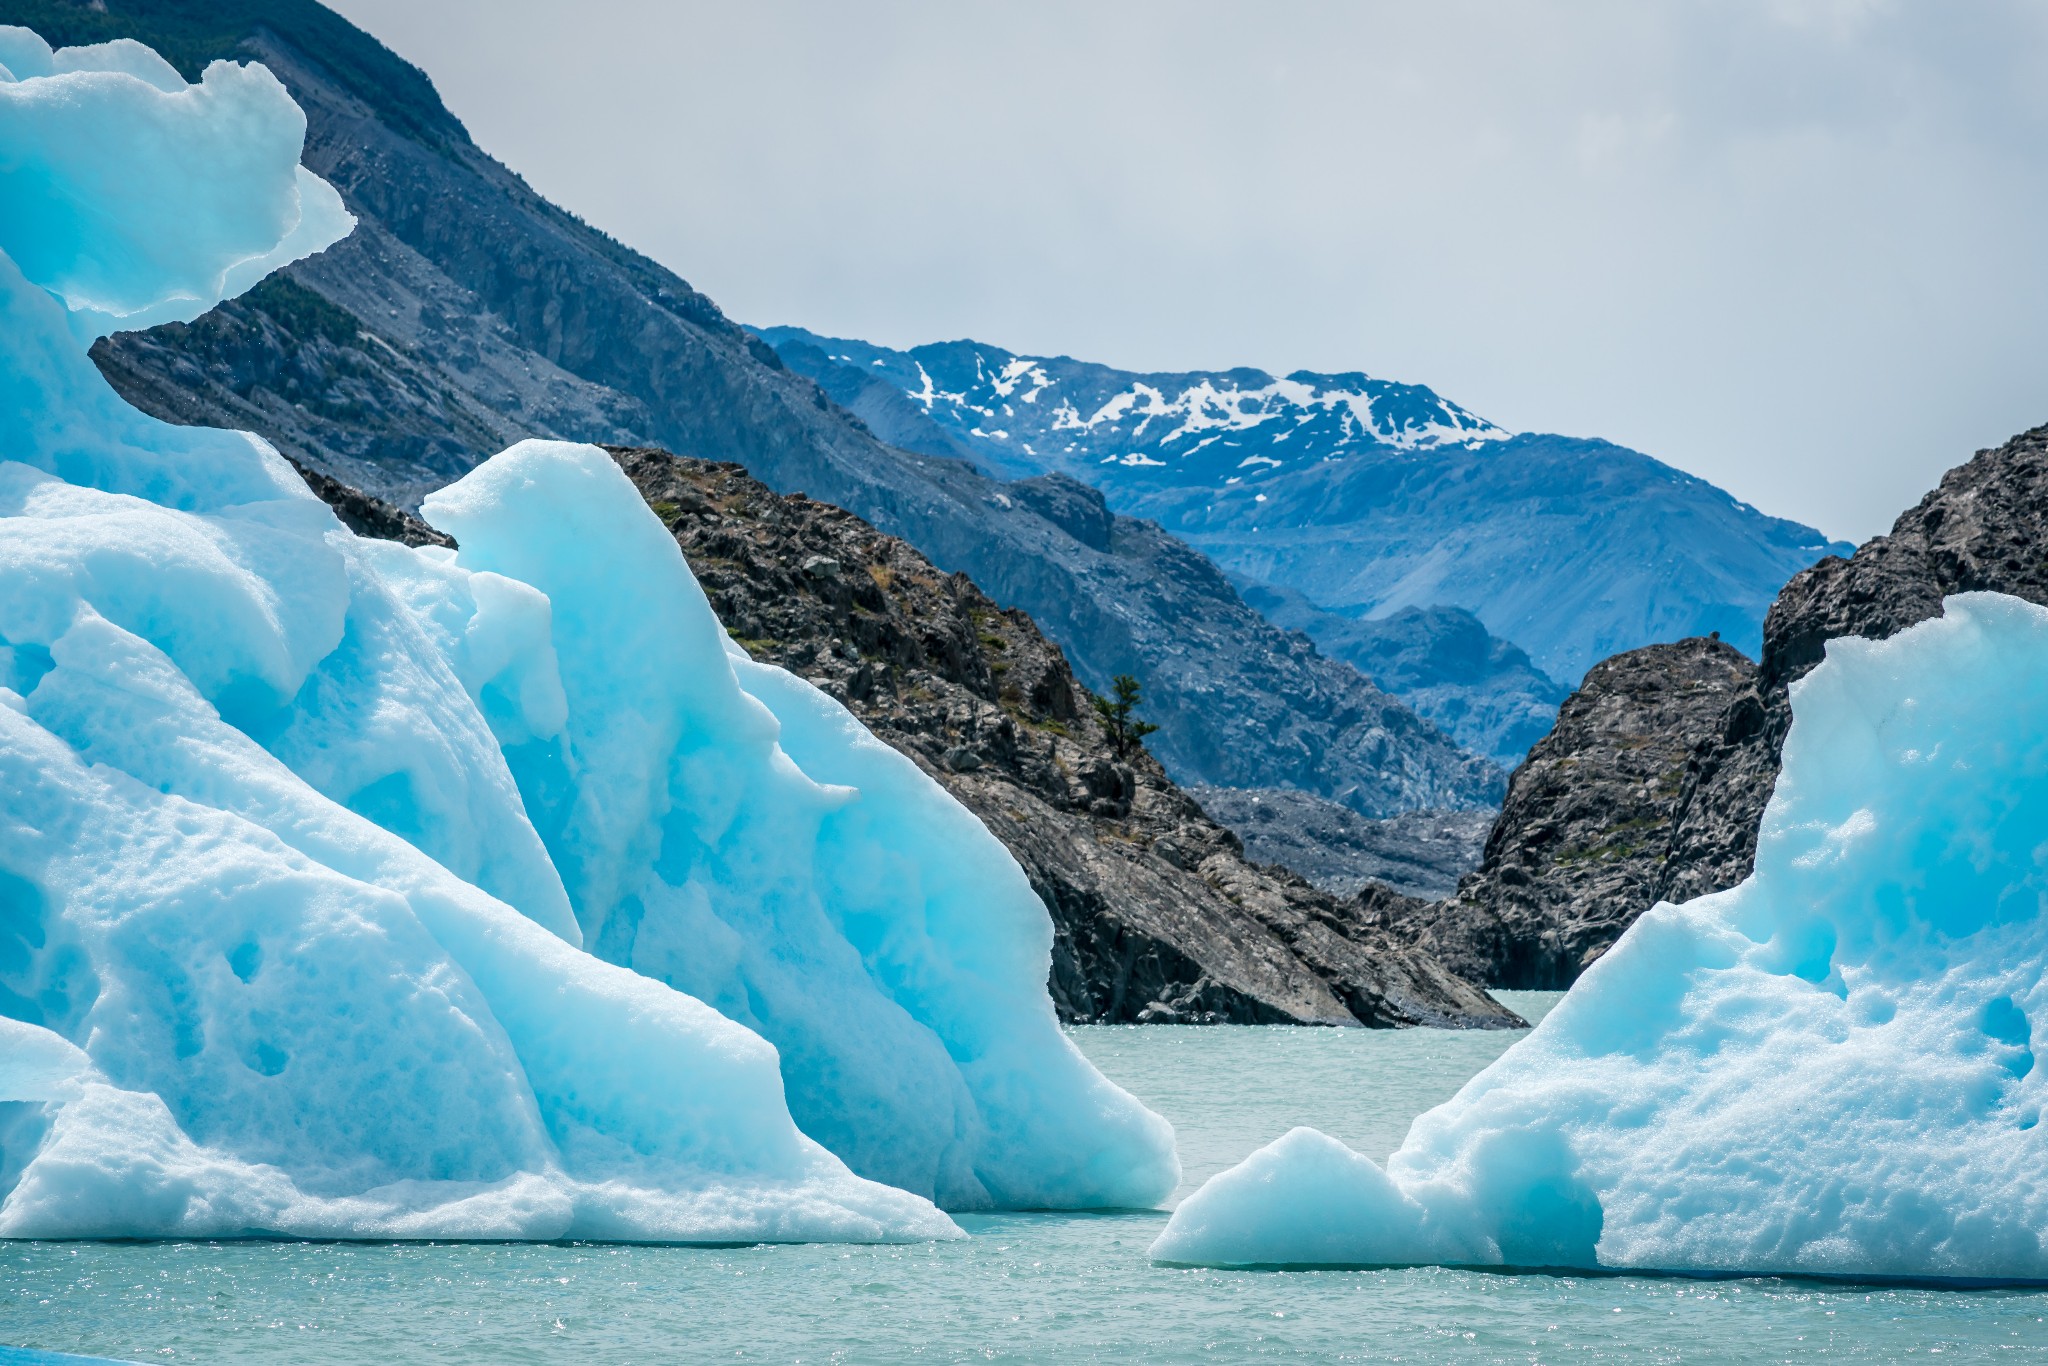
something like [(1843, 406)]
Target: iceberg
[(350, 890), (1827, 1070)]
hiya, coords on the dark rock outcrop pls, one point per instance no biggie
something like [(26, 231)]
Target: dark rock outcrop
[(1417, 853), (1653, 785), (1983, 528), (1581, 839), (1157, 915)]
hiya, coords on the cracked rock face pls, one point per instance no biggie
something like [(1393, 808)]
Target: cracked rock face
[(1654, 783), (1156, 914)]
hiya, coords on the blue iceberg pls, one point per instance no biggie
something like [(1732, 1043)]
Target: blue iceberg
[(350, 890), (1828, 1070)]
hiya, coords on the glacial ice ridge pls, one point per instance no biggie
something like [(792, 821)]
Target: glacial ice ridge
[(348, 890), (1829, 1069)]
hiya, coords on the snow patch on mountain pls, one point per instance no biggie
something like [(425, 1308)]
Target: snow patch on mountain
[(1093, 414)]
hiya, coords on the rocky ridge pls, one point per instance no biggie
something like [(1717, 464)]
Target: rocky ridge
[(1157, 915), (367, 516), (1983, 528), (1653, 786), (466, 312), (1442, 661)]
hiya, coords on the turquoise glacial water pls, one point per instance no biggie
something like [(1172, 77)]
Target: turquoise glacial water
[(1025, 1287)]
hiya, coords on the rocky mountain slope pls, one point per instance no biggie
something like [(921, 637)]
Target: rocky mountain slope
[(1417, 853), (1363, 495), (466, 311), (1157, 915), (1984, 527), (1654, 783), (1442, 661)]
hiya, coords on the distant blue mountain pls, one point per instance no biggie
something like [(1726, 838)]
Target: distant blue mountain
[(1364, 496)]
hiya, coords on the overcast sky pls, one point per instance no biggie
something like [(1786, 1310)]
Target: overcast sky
[(1799, 247)]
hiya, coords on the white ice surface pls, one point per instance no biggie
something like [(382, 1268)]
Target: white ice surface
[(281, 949), (1830, 1069)]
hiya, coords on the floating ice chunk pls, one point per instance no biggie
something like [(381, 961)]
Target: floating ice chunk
[(1830, 1069), (123, 55), (24, 54), (316, 1030), (241, 1006), (322, 220), (124, 204), (1304, 1199), (948, 928)]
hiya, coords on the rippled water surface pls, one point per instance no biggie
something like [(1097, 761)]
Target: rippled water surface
[(1023, 1288)]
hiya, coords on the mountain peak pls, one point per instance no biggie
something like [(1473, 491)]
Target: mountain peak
[(1218, 428)]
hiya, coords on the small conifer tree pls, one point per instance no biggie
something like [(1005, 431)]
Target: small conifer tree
[(1126, 731)]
